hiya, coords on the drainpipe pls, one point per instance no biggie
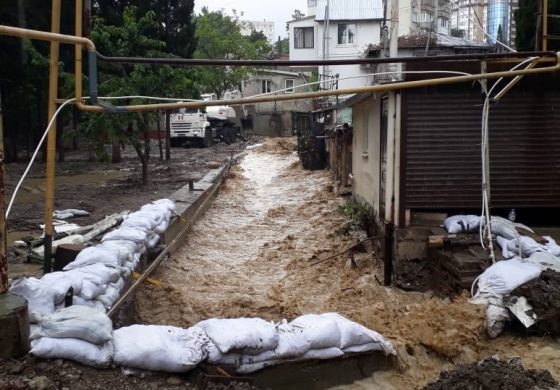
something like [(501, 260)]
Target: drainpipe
[(51, 140)]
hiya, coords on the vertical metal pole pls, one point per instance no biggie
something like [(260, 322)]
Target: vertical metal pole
[(51, 140), (3, 230), (544, 25), (388, 255), (78, 51), (167, 135)]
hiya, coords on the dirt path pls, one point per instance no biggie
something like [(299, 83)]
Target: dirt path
[(250, 255)]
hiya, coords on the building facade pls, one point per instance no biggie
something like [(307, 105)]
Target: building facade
[(267, 28)]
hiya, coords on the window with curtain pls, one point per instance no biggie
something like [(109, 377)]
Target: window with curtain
[(303, 38)]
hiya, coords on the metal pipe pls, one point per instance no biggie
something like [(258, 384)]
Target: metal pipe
[(78, 51), (3, 229), (46, 36), (545, 25), (296, 63), (51, 140), (388, 254)]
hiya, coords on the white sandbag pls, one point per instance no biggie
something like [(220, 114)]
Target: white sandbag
[(250, 335), (551, 246), (152, 240), (168, 203), (545, 260), (145, 220), (352, 333), (99, 273), (506, 228), (291, 344), (79, 322), (505, 276), (91, 290), (95, 255), (159, 348), (160, 209), (126, 233), (124, 253), (248, 368), (119, 284), (80, 301), (40, 297), (510, 248), (322, 353), (162, 227), (58, 280), (77, 350), (496, 317), (130, 246), (368, 347), (320, 331), (109, 297), (231, 359), (462, 224)]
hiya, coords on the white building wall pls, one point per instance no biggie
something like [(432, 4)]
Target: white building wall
[(365, 151), (303, 54)]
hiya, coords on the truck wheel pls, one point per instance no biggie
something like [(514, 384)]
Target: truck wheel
[(174, 142), (229, 135), (207, 137)]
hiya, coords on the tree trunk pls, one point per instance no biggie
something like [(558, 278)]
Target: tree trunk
[(116, 156), (159, 137), (539, 27), (143, 161), (167, 135)]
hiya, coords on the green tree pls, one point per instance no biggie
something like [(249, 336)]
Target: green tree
[(131, 39), (297, 15), (526, 25), (219, 37), (282, 46)]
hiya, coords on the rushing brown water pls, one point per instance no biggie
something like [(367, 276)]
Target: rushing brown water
[(250, 255)]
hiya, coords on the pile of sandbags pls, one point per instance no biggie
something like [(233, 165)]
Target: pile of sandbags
[(77, 333), (97, 275), (250, 344), (85, 335)]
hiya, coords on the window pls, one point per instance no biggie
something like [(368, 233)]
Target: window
[(443, 22), (426, 17), (311, 3), (265, 86), (289, 86), (303, 38), (346, 32)]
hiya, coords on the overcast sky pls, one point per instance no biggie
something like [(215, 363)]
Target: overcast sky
[(275, 11)]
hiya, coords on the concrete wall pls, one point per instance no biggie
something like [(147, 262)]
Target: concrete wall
[(303, 54), (366, 118), (274, 119)]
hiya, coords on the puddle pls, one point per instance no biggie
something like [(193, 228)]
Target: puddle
[(250, 255)]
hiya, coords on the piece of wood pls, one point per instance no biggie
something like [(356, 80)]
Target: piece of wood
[(534, 236), (436, 241)]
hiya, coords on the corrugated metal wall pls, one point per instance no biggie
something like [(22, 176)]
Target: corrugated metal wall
[(441, 147)]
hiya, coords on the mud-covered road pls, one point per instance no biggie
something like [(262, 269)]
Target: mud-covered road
[(250, 255)]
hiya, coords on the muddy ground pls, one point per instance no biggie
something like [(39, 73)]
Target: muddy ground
[(103, 188), (492, 374)]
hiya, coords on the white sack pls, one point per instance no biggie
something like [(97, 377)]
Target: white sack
[(291, 344), (80, 351), (320, 331), (99, 273), (110, 296), (368, 347), (124, 253), (168, 203), (248, 368), (162, 227), (545, 260), (80, 322), (322, 353), (152, 240), (510, 248), (125, 233), (250, 335), (95, 255), (58, 281), (496, 317), (352, 333), (506, 228), (40, 297), (159, 348), (551, 246), (505, 276), (462, 223), (232, 359), (91, 290), (145, 220)]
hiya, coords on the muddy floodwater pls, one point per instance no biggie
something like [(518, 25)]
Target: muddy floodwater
[(251, 254)]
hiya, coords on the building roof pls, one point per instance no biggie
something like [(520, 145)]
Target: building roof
[(440, 40), (350, 9)]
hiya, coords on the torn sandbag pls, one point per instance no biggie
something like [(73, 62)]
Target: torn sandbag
[(69, 213)]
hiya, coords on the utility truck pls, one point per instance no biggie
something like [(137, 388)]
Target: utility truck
[(203, 126)]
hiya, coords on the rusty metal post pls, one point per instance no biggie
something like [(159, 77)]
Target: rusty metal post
[(3, 229), (51, 140), (388, 254)]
